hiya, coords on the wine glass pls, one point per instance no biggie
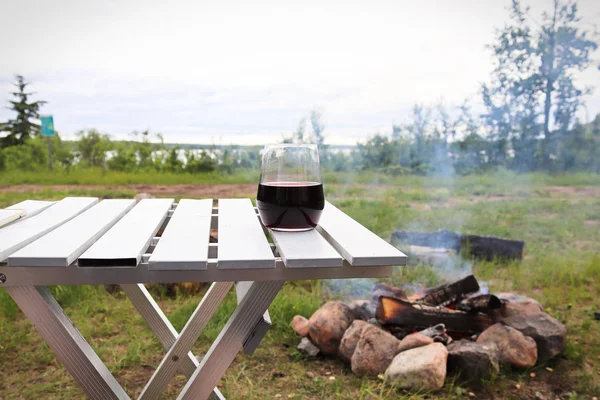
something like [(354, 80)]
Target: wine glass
[(290, 193)]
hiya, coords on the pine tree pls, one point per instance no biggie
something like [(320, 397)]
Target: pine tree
[(22, 127)]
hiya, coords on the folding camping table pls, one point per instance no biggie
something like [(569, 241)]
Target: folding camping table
[(84, 241)]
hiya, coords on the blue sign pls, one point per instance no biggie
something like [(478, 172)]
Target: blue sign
[(47, 125)]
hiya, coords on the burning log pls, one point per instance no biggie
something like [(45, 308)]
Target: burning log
[(385, 289), (450, 293), (482, 247), (403, 317), (483, 303)]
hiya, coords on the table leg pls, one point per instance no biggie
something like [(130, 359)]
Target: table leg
[(188, 336), (231, 339), (262, 326), (163, 329), (49, 319)]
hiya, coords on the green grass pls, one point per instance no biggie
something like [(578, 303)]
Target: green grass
[(561, 269), (499, 182), (100, 177)]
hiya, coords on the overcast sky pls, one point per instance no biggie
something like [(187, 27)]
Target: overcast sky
[(246, 72)]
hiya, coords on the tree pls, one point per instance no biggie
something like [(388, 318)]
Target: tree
[(317, 134), (172, 162), (92, 147), (563, 48), (318, 128), (419, 129), (511, 98), (21, 128), (532, 88)]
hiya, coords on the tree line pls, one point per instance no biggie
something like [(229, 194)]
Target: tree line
[(528, 123)]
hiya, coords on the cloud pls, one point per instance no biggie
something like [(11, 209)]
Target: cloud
[(196, 70)]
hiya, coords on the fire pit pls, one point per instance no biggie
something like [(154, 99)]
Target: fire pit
[(416, 340)]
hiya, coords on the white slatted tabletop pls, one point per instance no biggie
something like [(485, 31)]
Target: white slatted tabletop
[(79, 241), (20, 233), (66, 243), (114, 242)]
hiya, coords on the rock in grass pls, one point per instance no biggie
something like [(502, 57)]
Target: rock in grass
[(549, 334), (141, 196), (374, 351), (300, 325), (414, 340), (472, 360), (422, 368), (328, 324), (516, 304), (350, 339), (514, 348), (307, 347)]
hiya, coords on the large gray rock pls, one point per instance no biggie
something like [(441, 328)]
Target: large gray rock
[(419, 368), (472, 360), (514, 348), (521, 300), (374, 351), (350, 339), (516, 304), (328, 324), (549, 334), (414, 340)]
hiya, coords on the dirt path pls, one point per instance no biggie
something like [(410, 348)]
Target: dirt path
[(249, 189), (569, 191)]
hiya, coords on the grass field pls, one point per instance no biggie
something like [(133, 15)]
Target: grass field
[(558, 217)]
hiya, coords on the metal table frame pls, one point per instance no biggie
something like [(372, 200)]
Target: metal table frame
[(244, 329)]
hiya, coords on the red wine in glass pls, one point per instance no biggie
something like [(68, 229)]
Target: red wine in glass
[(290, 206)]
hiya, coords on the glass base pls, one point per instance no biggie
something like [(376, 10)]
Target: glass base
[(292, 229)]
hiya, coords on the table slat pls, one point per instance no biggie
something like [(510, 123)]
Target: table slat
[(8, 216), (18, 235), (125, 242), (31, 207), (63, 245), (305, 249), (358, 245), (242, 242), (184, 243)]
